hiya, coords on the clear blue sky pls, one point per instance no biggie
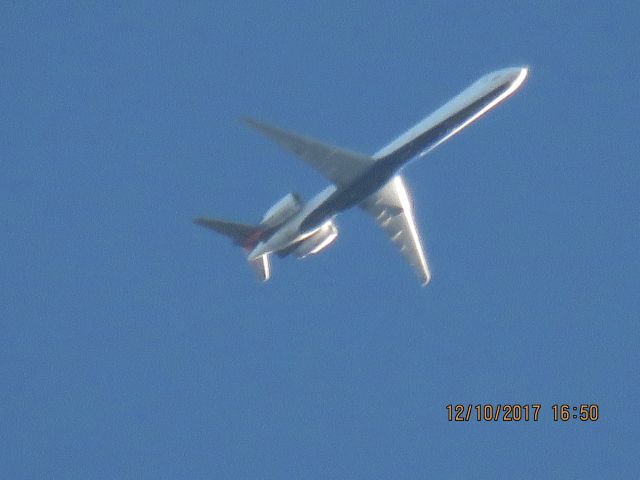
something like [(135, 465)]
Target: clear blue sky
[(136, 345)]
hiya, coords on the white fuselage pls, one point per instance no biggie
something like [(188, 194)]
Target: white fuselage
[(439, 126)]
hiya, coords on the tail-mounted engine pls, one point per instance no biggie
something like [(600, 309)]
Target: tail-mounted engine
[(282, 210)]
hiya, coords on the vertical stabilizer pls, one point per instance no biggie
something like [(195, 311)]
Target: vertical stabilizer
[(246, 236)]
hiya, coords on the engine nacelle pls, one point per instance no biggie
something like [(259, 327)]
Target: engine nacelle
[(282, 210), (317, 241)]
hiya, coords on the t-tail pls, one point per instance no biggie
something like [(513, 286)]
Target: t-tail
[(245, 236)]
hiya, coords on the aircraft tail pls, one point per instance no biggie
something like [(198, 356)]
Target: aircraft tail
[(245, 236)]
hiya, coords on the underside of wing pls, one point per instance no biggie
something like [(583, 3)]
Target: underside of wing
[(338, 165), (391, 207)]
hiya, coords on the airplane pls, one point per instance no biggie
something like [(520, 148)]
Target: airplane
[(374, 183)]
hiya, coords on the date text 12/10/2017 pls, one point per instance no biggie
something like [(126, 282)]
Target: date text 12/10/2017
[(517, 412)]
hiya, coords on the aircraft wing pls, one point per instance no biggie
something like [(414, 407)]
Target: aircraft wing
[(338, 165), (391, 207)]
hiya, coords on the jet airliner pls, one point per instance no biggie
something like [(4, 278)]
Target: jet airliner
[(374, 183)]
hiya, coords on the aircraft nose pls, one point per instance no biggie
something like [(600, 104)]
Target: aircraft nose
[(512, 76), (519, 75), (514, 73), (522, 71)]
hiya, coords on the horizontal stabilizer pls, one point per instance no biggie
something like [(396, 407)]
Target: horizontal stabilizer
[(262, 267)]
